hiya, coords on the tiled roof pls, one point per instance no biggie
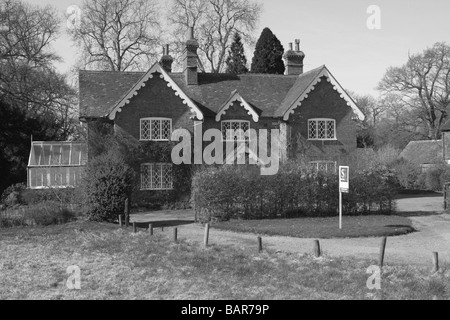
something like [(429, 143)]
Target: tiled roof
[(269, 95), (423, 152)]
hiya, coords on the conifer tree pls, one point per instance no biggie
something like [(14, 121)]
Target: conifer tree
[(268, 56), (236, 61)]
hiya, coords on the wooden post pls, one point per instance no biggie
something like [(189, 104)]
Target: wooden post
[(435, 262), (206, 240), (175, 235), (382, 251), (120, 221), (340, 210), (134, 227), (150, 229), (127, 212), (260, 246), (317, 252), (445, 195)]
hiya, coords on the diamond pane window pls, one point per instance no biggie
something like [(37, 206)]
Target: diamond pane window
[(235, 130), (324, 166), (56, 164), (156, 129), (322, 129), (156, 176)]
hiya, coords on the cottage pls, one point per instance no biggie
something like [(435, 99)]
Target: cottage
[(313, 113)]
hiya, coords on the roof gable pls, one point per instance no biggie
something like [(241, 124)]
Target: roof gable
[(156, 68), (235, 96), (305, 84)]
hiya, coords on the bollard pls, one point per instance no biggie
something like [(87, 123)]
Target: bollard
[(316, 249), (260, 245), (175, 235), (382, 252), (435, 262), (134, 227), (150, 229), (206, 240), (120, 221)]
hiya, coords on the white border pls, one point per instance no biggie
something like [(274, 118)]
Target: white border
[(235, 96)]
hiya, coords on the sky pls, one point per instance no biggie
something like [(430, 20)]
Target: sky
[(335, 33)]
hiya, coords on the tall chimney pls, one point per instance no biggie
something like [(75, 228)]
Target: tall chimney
[(294, 59), (166, 60), (190, 59)]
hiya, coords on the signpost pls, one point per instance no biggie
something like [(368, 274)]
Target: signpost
[(344, 187)]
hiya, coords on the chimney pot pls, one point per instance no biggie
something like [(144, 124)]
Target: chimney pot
[(167, 49), (290, 46), (297, 45), (191, 33)]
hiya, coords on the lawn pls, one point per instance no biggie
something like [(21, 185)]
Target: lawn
[(323, 228), (116, 264)]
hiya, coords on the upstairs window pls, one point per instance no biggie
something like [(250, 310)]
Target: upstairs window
[(235, 130), (322, 129), (156, 176), (156, 129)]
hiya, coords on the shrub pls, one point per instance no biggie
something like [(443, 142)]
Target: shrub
[(108, 184), (433, 179), (12, 195), (222, 193), (407, 174)]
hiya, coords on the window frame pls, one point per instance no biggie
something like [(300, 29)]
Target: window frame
[(141, 133), (225, 135), (153, 165), (317, 120), (317, 163)]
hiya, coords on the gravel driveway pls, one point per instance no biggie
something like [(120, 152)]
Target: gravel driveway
[(416, 248)]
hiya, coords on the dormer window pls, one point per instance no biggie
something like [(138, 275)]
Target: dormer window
[(235, 130), (322, 129), (156, 129)]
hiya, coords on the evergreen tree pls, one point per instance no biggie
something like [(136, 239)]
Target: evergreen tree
[(236, 61), (268, 56)]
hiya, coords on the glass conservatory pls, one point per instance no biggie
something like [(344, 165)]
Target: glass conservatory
[(56, 164)]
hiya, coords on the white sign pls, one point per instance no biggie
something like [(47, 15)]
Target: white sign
[(344, 179)]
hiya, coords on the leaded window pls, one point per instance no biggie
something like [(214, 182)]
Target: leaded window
[(235, 130), (156, 176), (156, 129), (321, 129), (324, 166)]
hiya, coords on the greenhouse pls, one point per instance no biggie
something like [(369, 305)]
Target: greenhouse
[(56, 164)]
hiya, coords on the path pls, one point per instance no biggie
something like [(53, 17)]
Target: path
[(415, 248)]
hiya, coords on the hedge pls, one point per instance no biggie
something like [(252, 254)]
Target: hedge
[(223, 193)]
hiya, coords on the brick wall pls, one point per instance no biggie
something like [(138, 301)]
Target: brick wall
[(323, 102)]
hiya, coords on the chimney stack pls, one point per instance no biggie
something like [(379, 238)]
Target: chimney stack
[(166, 60), (294, 59), (190, 59)]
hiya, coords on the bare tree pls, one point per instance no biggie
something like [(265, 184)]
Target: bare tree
[(424, 84), (118, 35), (215, 22)]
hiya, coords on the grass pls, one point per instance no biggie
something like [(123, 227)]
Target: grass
[(323, 228), (116, 264)]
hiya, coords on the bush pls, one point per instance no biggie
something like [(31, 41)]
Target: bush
[(108, 184), (223, 193), (12, 195), (407, 174)]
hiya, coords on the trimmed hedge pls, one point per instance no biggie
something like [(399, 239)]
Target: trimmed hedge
[(223, 193)]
